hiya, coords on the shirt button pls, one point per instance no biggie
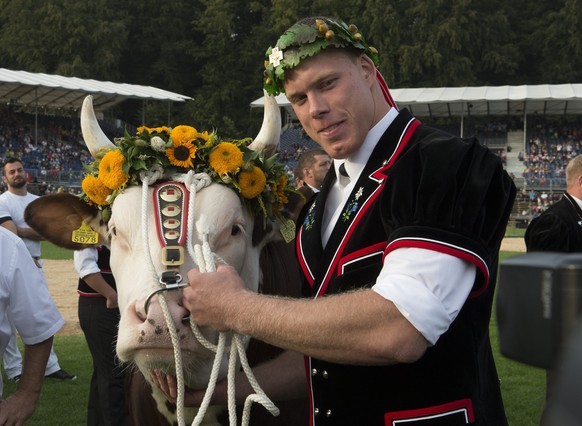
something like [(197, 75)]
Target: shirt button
[(328, 413), (316, 411), (324, 374), (314, 372)]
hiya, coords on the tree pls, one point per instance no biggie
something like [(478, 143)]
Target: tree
[(62, 37)]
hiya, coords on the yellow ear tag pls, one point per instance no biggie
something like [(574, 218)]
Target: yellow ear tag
[(288, 230), (85, 235)]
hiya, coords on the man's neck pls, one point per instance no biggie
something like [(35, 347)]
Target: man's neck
[(18, 191)]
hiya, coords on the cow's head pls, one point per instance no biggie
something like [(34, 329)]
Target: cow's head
[(147, 228)]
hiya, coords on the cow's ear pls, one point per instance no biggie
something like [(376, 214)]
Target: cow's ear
[(57, 217)]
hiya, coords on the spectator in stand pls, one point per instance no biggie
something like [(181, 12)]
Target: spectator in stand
[(36, 318), (559, 228), (12, 205), (99, 319)]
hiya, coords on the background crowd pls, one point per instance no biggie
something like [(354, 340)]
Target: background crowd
[(54, 153)]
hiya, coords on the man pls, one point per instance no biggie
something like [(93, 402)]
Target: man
[(37, 319), (99, 320), (12, 205), (312, 166), (402, 241), (559, 228)]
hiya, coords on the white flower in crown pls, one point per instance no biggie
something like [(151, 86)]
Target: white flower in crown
[(276, 57), (158, 144)]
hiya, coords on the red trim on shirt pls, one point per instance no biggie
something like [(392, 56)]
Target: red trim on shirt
[(438, 246)]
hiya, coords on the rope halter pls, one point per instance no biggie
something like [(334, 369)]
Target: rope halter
[(173, 208)]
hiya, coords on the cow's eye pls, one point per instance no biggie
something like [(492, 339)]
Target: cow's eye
[(236, 229)]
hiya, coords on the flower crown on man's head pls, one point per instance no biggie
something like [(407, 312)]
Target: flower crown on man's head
[(261, 182), (307, 38)]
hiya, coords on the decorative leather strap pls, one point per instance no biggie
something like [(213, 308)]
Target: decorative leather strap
[(171, 215)]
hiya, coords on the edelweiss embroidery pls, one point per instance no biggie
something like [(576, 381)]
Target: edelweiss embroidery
[(352, 206), (308, 222)]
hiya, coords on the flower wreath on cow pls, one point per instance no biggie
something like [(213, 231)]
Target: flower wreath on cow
[(208, 201)]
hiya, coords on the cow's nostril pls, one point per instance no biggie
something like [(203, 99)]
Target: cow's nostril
[(185, 319), (140, 315)]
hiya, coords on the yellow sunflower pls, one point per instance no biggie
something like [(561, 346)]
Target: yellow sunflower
[(181, 155), (111, 170), (162, 129), (183, 134), (226, 158), (252, 182), (95, 190), (204, 136)]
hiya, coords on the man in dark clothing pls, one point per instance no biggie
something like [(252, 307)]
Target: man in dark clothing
[(399, 254), (559, 228), (99, 319)]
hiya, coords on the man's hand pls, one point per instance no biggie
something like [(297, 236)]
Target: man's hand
[(17, 408), (211, 294), (169, 386)]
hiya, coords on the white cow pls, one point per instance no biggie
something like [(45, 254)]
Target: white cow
[(144, 339)]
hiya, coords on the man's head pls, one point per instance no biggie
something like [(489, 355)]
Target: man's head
[(312, 167), (307, 38), (574, 177), (328, 73), (13, 174)]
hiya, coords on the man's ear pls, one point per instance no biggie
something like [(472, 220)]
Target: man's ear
[(368, 68)]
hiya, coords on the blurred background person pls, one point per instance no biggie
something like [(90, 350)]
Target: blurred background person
[(99, 320)]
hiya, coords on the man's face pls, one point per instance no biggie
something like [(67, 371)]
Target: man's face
[(14, 175), (331, 93), (315, 174)]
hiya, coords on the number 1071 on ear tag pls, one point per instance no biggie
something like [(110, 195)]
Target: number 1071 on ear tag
[(85, 235)]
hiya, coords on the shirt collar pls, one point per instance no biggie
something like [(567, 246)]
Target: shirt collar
[(355, 163), (577, 200)]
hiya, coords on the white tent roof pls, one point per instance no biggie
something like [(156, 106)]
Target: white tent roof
[(546, 99), (55, 91)]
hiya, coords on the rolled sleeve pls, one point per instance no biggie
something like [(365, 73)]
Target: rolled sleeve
[(86, 262), (427, 287)]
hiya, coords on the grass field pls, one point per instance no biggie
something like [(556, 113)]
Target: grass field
[(65, 403)]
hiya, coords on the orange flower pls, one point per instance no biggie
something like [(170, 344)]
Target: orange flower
[(95, 190), (252, 183)]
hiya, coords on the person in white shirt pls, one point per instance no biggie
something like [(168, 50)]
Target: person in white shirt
[(36, 318), (13, 202)]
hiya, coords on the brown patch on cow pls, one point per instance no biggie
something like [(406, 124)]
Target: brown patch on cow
[(56, 216)]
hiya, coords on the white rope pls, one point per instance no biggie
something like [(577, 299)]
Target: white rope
[(205, 260)]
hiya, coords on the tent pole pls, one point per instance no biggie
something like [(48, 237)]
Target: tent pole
[(524, 129), (36, 117), (462, 118)]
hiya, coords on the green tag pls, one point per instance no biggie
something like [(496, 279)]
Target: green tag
[(288, 230), (85, 235)]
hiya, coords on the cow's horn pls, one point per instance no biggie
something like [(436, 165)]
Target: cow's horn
[(94, 137), (268, 137)]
